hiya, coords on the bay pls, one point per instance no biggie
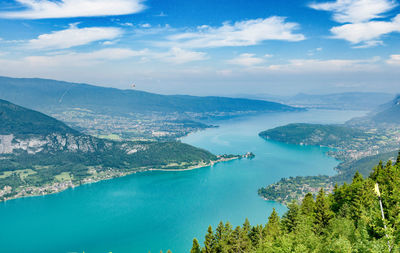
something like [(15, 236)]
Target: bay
[(155, 211)]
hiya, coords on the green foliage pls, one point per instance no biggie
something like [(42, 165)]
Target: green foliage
[(294, 188), (322, 211), (314, 134), (308, 205), (348, 220), (195, 247), (80, 157), (47, 166), (21, 121)]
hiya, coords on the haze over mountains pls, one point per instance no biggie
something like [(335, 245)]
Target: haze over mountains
[(46, 95), (340, 101), (127, 114), (386, 115)]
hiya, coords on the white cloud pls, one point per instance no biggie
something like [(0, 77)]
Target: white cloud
[(109, 42), (367, 33), (355, 11), (127, 24), (39, 9), (321, 66), (147, 25), (179, 56), (73, 36), (394, 60), (246, 60), (174, 56), (84, 59), (360, 28), (243, 33)]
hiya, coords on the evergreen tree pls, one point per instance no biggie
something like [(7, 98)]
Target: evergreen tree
[(398, 159), (239, 241), (322, 211), (219, 232), (256, 235), (349, 220), (308, 205), (272, 229), (195, 247), (291, 218), (246, 226), (209, 241), (356, 195)]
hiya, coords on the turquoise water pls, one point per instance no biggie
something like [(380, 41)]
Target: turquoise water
[(155, 211)]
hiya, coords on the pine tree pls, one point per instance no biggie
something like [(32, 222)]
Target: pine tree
[(322, 211), (398, 159), (377, 171), (308, 205), (272, 229), (239, 241), (220, 239), (219, 232), (195, 247), (209, 241), (246, 226), (291, 218), (256, 235)]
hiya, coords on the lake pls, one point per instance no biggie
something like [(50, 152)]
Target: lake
[(155, 211)]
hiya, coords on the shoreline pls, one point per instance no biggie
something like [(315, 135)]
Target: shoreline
[(195, 167), (59, 187)]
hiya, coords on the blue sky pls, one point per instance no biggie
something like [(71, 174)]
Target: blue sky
[(206, 47)]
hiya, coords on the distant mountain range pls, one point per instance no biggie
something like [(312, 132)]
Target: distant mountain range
[(341, 101), (389, 112), (49, 95), (386, 115)]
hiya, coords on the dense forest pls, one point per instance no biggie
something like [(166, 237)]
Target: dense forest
[(348, 220), (18, 120), (315, 134)]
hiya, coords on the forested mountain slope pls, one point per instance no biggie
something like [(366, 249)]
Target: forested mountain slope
[(348, 220), (41, 155)]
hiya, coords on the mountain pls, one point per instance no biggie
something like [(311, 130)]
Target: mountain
[(386, 116), (127, 114), (347, 100), (389, 113), (340, 101), (41, 155), (48, 95), (18, 120)]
